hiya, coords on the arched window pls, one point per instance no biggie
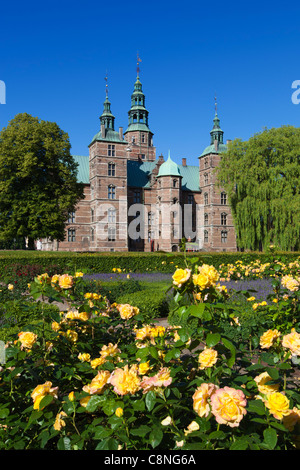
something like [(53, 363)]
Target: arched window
[(205, 178), (205, 219), (111, 169), (223, 236), (223, 218), (111, 234), (174, 183), (223, 198), (111, 215), (205, 198), (111, 192), (205, 236)]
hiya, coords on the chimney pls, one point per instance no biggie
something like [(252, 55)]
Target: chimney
[(216, 145), (184, 162), (103, 130), (161, 158), (121, 133), (228, 141)]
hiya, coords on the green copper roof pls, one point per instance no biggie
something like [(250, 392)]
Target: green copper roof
[(169, 168), (216, 135), (83, 169), (138, 173), (211, 149), (110, 136)]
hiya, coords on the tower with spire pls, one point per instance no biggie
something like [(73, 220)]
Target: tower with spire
[(138, 135), (108, 185), (216, 224)]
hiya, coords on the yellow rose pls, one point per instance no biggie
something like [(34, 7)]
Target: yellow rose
[(267, 339), (207, 358), (292, 342), (278, 405), (84, 357), (127, 311), (10, 287), (262, 384), (181, 276), (40, 392), (125, 380), (72, 336), (59, 422), (65, 281), (79, 274), (98, 383), (119, 412), (201, 399), (55, 326), (71, 396), (228, 405), (193, 426), (27, 339), (110, 350), (97, 362), (144, 367), (201, 280)]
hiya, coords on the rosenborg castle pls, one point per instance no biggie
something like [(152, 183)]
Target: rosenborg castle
[(136, 201)]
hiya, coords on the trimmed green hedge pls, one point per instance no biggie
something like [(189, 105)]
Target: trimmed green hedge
[(131, 261)]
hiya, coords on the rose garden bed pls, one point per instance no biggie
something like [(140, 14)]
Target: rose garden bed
[(101, 376)]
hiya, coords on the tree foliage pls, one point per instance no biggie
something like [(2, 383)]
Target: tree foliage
[(261, 177), (38, 179)]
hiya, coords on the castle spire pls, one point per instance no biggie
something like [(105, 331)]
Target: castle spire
[(107, 118), (216, 134)]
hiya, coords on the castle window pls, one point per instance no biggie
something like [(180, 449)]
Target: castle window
[(205, 236), (150, 218), (174, 183), (71, 235), (111, 192), (205, 178), (137, 197), (205, 219), (111, 234), (223, 198), (111, 169), (92, 215), (190, 199), (206, 162), (71, 218), (92, 234), (205, 198), (223, 218), (224, 236), (143, 138), (111, 215), (111, 150)]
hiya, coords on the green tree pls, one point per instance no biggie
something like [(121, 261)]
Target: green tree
[(38, 180), (262, 179)]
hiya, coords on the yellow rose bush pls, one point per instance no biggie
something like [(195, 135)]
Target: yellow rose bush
[(99, 376)]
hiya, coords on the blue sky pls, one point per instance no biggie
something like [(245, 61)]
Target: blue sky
[(54, 57)]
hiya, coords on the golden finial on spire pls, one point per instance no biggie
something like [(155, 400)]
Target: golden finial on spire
[(138, 64), (106, 86)]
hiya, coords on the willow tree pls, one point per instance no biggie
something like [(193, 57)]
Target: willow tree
[(38, 180), (262, 179)]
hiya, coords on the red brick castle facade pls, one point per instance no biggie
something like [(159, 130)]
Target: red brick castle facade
[(137, 202)]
